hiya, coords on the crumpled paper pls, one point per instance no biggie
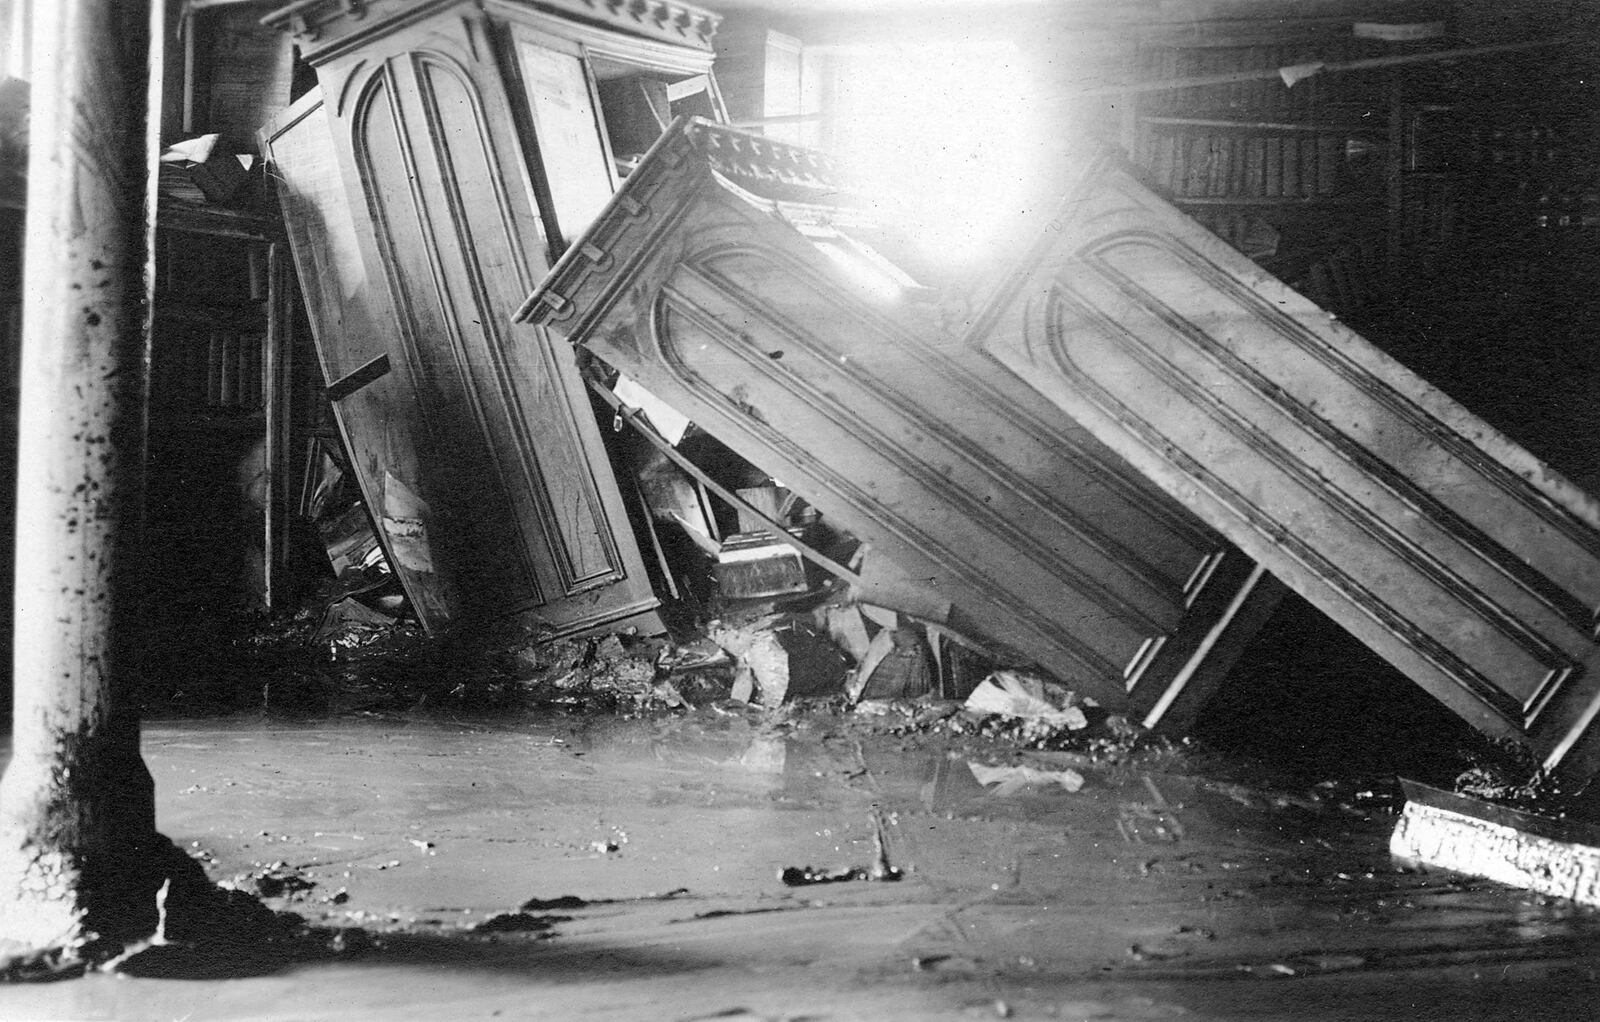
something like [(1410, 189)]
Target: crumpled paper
[(1294, 73), (763, 664), (1011, 779), (1014, 694)]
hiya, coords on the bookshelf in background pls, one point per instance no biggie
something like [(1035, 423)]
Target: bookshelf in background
[(1294, 176), (1526, 170)]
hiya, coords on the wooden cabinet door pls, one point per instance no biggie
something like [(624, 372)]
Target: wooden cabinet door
[(352, 321), (997, 512), (1449, 550), (574, 160), (510, 464)]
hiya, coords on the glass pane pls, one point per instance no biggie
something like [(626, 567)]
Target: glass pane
[(568, 135)]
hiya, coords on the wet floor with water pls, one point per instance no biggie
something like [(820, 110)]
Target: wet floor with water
[(631, 869)]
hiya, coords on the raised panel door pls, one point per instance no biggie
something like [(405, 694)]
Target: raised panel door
[(996, 511), (531, 519), (354, 334), (1449, 550)]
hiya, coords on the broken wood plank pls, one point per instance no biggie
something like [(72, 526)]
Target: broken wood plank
[(755, 515), (848, 631), (1448, 831), (883, 617), (1449, 550)]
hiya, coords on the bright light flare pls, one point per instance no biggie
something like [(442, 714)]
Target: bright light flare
[(950, 131)]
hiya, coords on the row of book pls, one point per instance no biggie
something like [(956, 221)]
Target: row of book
[(1431, 220), (1492, 147), (1342, 277), (1563, 205), (203, 268), (1250, 233), (1428, 217), (1233, 164), (1266, 97), (203, 368), (1516, 147), (1346, 278)]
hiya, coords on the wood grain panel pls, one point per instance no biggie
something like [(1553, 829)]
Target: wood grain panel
[(970, 483), (434, 167), (451, 413), (1448, 549), (348, 308)]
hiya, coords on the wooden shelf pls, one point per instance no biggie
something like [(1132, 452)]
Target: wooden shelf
[(234, 315), (182, 215), (206, 423), (1276, 200), (1336, 128)]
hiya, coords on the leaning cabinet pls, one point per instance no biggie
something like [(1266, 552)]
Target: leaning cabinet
[(451, 151)]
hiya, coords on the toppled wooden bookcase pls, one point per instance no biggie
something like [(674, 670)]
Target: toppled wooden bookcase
[(1449, 550), (724, 277), (453, 147)]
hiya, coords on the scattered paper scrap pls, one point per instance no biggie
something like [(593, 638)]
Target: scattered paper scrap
[(1294, 73), (1012, 779)]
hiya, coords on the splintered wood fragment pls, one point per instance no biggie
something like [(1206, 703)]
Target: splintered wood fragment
[(775, 528), (1459, 838), (848, 631), (883, 617), (881, 646)]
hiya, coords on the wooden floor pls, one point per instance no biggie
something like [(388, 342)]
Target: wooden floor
[(1160, 891)]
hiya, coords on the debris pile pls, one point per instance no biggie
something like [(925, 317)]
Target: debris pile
[(272, 880), (826, 656)]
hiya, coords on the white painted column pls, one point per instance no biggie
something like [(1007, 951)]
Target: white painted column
[(77, 816)]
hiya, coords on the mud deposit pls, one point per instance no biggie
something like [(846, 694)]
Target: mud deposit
[(631, 869)]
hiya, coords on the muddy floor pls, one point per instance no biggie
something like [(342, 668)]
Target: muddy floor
[(583, 867)]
